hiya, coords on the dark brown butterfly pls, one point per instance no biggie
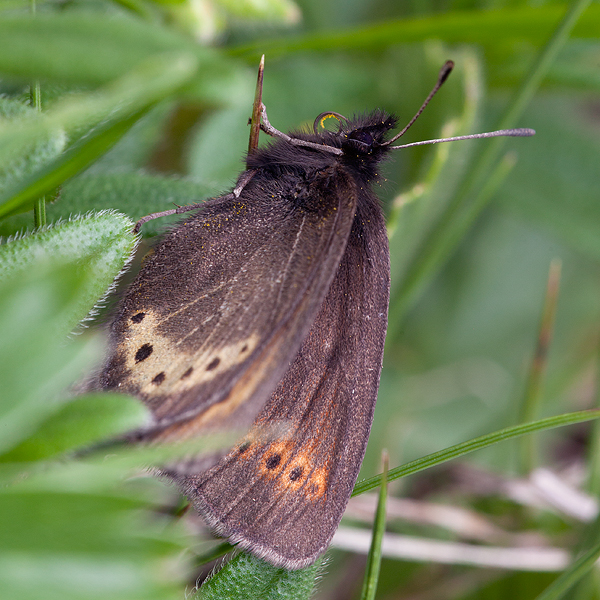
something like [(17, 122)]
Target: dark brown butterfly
[(267, 309)]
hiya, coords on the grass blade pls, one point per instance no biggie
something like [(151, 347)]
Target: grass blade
[(436, 458), (375, 555), (533, 388), (572, 575)]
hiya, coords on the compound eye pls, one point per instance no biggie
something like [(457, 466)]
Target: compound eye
[(363, 137), (360, 141)]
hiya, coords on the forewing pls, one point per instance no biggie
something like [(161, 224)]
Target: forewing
[(220, 307), (289, 493)]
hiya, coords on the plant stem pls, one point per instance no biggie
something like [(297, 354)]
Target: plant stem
[(532, 397), (35, 100)]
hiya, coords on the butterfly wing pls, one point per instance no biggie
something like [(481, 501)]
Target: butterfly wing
[(283, 498), (219, 309)]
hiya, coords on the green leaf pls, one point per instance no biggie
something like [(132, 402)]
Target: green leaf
[(91, 48), (80, 422), (246, 576), (484, 27), (76, 576), (84, 47), (26, 191), (96, 247), (150, 82), (49, 281), (134, 193), (69, 530), (80, 531), (36, 363), (31, 159)]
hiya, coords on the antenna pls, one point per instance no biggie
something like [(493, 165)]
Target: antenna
[(523, 132), (443, 75)]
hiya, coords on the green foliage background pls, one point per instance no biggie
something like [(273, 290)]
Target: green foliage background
[(144, 104)]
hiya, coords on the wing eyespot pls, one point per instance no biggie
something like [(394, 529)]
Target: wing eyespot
[(143, 352), (273, 461), (214, 363), (187, 373), (158, 379), (296, 473), (138, 317)]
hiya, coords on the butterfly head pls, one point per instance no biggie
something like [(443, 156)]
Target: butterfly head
[(366, 135), (361, 136)]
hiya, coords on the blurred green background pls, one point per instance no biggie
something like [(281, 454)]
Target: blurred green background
[(144, 104)]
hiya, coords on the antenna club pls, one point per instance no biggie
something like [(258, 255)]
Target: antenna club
[(445, 71), (524, 132)]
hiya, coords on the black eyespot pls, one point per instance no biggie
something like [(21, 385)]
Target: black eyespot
[(273, 461), (214, 363), (138, 317), (187, 373), (244, 447), (159, 378), (244, 348), (143, 352), (296, 473)]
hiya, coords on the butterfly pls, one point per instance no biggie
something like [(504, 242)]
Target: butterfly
[(266, 310)]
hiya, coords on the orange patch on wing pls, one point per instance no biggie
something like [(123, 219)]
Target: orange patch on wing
[(275, 458), (294, 470), (296, 474), (316, 486)]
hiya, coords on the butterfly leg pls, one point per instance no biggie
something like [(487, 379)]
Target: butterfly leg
[(243, 181), (270, 130)]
